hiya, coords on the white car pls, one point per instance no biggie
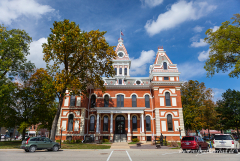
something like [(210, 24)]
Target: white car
[(225, 142)]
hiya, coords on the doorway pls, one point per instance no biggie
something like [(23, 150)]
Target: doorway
[(120, 125)]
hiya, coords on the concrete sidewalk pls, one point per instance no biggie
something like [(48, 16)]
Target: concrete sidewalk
[(122, 145)]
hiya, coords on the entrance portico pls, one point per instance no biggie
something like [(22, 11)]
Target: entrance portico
[(119, 113)]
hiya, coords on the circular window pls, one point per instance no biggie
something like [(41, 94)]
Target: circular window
[(138, 82)]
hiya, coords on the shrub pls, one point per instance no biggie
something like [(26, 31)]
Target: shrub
[(78, 141), (135, 140), (174, 144), (105, 140), (58, 141), (72, 141)]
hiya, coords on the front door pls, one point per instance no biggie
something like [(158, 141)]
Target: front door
[(120, 125)]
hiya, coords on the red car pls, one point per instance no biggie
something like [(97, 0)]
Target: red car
[(194, 143)]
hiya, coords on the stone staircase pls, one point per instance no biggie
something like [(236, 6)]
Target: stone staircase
[(120, 138)]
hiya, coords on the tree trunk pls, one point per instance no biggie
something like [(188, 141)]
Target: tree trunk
[(55, 121), (237, 132), (23, 134)]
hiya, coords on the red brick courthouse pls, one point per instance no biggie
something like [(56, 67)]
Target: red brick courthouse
[(131, 107)]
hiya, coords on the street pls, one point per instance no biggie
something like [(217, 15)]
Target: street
[(114, 155)]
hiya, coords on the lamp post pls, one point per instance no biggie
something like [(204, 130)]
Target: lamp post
[(179, 129), (61, 129)]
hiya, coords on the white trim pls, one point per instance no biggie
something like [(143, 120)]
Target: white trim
[(120, 110), (133, 94)]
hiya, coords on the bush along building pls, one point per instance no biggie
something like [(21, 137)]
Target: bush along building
[(131, 107)]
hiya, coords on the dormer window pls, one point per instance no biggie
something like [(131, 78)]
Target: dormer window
[(120, 81), (138, 82), (164, 65)]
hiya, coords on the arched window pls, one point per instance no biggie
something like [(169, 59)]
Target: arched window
[(169, 122), (120, 100), (148, 123), (125, 71), (134, 123), (115, 71), (93, 101), (165, 65), (120, 70), (92, 123), (167, 99), (106, 101), (147, 103), (72, 101), (105, 123), (70, 122), (134, 100)]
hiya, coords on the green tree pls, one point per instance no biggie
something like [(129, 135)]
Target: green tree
[(196, 100), (224, 52), (229, 110), (14, 47), (80, 59)]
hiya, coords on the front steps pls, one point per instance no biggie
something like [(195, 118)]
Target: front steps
[(120, 138)]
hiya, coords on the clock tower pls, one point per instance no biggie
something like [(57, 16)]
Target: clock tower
[(122, 63)]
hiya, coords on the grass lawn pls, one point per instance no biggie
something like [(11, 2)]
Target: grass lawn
[(16, 145), (133, 142), (85, 146), (10, 144)]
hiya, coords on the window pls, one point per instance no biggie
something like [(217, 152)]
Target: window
[(93, 101), (166, 78), (125, 71), (134, 123), (120, 81), (120, 70), (106, 101), (105, 123), (34, 127), (72, 101), (148, 123), (92, 123), (147, 103), (169, 122), (115, 71), (70, 122), (120, 101), (134, 100), (167, 98), (149, 138), (30, 127), (33, 139), (164, 65)]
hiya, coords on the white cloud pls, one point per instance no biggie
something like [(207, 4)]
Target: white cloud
[(203, 55), (191, 70), (215, 28), (217, 93), (177, 14), (11, 10), (139, 65), (151, 3), (198, 29), (199, 44), (36, 54)]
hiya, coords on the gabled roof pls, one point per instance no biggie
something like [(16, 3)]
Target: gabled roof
[(121, 47)]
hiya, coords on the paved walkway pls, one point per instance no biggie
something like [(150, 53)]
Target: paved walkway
[(122, 145)]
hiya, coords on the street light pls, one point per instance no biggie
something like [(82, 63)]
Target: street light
[(179, 129)]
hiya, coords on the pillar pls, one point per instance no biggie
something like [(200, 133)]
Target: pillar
[(97, 123), (128, 122), (142, 123), (111, 123)]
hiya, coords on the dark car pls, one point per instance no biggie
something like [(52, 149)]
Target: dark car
[(194, 143), (206, 138), (38, 143)]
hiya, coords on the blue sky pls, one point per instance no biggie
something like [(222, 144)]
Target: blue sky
[(177, 25)]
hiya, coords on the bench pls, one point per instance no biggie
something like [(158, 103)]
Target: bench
[(158, 146), (138, 144)]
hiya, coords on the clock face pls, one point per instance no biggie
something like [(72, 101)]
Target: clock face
[(120, 54)]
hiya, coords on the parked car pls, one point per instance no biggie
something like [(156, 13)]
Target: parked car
[(206, 138), (225, 142), (38, 143), (5, 136), (194, 143)]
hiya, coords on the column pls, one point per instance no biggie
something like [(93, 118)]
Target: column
[(142, 123), (111, 123), (128, 122), (97, 123)]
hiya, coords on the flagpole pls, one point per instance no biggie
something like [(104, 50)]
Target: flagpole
[(120, 34)]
